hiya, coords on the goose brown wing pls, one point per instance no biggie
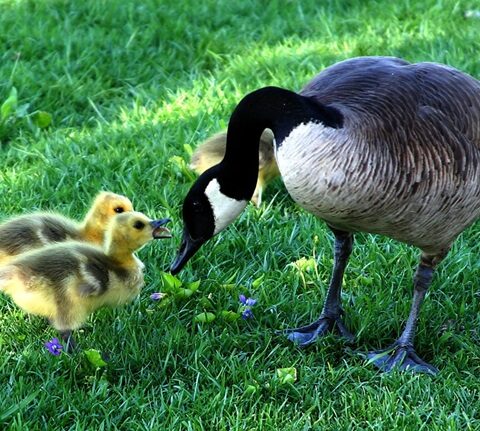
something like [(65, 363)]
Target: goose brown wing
[(385, 99), (453, 95)]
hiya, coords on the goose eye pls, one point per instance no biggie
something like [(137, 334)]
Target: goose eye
[(119, 210), (139, 225)]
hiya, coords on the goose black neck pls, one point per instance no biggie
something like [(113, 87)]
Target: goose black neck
[(270, 107)]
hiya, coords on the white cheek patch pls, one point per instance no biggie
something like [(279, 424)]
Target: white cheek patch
[(225, 209)]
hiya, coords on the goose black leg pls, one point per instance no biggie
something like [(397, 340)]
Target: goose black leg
[(401, 355), (67, 337), (330, 318)]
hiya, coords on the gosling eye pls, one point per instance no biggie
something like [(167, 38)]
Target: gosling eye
[(119, 210), (139, 225)]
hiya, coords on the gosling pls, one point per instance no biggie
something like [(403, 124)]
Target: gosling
[(28, 232), (66, 282)]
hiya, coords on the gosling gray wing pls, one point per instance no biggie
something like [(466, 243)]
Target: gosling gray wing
[(31, 231), (95, 271), (95, 277)]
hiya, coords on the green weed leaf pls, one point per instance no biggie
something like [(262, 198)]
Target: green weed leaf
[(22, 110), (95, 358), (172, 283), (250, 389), (42, 119), (184, 293), (305, 265), (9, 106), (193, 286), (229, 316), (206, 303), (258, 281), (204, 318), (287, 375)]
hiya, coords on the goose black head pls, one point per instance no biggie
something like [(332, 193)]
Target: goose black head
[(207, 210), (222, 192)]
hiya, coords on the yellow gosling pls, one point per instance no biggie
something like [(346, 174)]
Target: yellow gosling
[(66, 282), (28, 232)]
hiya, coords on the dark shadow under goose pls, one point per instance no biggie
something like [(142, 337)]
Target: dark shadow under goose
[(371, 144)]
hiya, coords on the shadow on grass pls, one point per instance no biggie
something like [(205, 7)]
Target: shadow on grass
[(128, 87), (82, 64)]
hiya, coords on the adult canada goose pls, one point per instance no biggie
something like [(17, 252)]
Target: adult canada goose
[(28, 232), (371, 144), (212, 151), (66, 282)]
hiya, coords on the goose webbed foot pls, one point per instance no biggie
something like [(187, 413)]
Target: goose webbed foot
[(400, 357), (307, 335)]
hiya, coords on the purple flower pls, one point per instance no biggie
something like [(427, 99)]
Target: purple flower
[(246, 307), (247, 314), (250, 302), (54, 346), (157, 296)]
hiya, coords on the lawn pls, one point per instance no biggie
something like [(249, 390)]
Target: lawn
[(131, 88)]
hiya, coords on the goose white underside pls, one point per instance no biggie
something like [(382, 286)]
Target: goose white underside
[(311, 162), (324, 171)]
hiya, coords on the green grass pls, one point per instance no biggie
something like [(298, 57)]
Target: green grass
[(128, 84)]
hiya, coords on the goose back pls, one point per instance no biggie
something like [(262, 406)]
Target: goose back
[(406, 161)]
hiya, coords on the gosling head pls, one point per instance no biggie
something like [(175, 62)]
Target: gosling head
[(108, 204), (208, 208), (130, 231), (105, 206)]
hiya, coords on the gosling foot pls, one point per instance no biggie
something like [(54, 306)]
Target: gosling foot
[(401, 357), (307, 335), (70, 345)]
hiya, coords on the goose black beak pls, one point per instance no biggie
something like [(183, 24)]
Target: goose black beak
[(187, 249), (159, 231)]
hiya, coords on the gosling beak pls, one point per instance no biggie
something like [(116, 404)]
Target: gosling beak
[(159, 231), (187, 249)]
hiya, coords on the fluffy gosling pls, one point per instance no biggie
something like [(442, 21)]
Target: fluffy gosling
[(68, 281), (28, 232)]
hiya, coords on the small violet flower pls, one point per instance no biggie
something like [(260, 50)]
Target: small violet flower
[(54, 346), (250, 302), (247, 304), (247, 314), (157, 296)]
